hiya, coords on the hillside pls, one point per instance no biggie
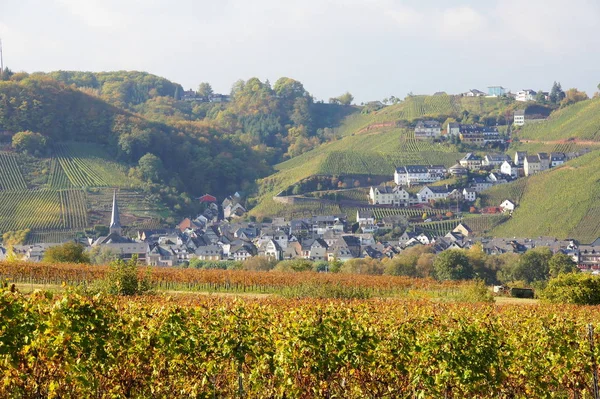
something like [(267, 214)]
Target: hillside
[(440, 107), (580, 121), (373, 153), (563, 202)]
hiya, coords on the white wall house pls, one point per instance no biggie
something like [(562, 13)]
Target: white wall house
[(509, 168), (432, 193), (469, 194), (525, 95), (519, 119), (507, 206), (418, 174), (390, 196), (428, 129)]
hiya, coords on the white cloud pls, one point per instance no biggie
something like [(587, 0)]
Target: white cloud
[(95, 13), (460, 22)]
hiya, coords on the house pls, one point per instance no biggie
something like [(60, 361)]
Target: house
[(271, 249), (463, 229), (406, 237), (389, 196), (233, 211), (428, 129), (473, 138), (210, 252), (507, 206), (544, 161), (494, 159), (510, 169), (471, 161), (532, 165), (496, 91), (207, 198), (458, 170), (469, 194), (520, 157), (536, 163), (519, 117), (158, 255), (453, 129), (242, 252), (364, 217), (557, 158), (479, 184), (433, 193), (189, 224), (314, 249), (525, 95), (474, 93), (418, 174)]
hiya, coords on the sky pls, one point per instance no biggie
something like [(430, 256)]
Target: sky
[(372, 48)]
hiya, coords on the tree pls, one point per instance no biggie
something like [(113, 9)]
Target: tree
[(346, 98), (573, 96), (540, 97), (205, 90), (452, 265), (70, 252), (259, 263), (123, 278), (101, 255), (151, 168), (561, 263), (573, 288), (532, 266), (556, 94), (29, 142)]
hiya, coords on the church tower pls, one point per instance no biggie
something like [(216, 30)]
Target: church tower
[(115, 221)]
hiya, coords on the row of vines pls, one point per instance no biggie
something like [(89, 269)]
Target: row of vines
[(76, 346)]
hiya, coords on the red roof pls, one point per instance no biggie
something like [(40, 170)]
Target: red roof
[(207, 198)]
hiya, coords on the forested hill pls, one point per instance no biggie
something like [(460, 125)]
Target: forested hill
[(189, 156)]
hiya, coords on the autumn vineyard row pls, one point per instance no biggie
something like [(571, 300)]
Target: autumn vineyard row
[(73, 346)]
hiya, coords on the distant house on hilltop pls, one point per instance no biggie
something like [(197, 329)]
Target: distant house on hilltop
[(474, 93)]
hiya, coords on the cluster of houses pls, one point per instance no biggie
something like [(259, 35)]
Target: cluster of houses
[(471, 134), (320, 238), (522, 95)]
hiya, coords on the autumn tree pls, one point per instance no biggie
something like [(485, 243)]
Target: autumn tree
[(573, 96), (452, 265), (29, 142), (205, 90), (346, 98), (70, 252), (561, 263)]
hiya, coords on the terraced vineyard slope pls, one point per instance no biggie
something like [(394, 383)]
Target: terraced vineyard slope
[(375, 154), (563, 202), (580, 121)]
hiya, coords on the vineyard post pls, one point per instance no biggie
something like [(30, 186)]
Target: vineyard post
[(593, 358)]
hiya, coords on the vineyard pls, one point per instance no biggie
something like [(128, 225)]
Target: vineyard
[(87, 165), (71, 345), (578, 121), (562, 202), (11, 177), (42, 209), (50, 236), (513, 191), (436, 229)]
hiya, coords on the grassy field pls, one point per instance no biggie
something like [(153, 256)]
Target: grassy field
[(580, 121), (563, 202)]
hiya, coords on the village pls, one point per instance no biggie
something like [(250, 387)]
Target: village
[(211, 237)]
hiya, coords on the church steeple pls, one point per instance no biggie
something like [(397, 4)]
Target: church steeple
[(115, 221)]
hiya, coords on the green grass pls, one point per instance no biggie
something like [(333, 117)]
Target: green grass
[(580, 121), (563, 202)]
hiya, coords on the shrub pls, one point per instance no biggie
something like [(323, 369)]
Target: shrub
[(573, 288), (123, 279)]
